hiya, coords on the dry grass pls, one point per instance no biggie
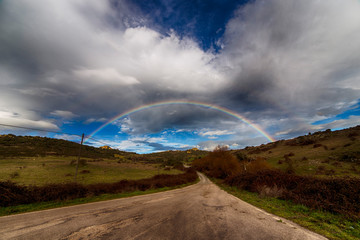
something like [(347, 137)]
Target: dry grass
[(273, 191), (52, 170)]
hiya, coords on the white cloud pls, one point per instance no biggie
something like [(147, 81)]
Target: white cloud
[(342, 123), (213, 133), (63, 114), (15, 119), (68, 137), (73, 39), (104, 76), (91, 120)]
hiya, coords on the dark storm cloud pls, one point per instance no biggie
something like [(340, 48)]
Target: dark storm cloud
[(174, 117), (250, 91), (157, 146)]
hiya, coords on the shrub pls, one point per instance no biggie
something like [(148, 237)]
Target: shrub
[(14, 175), (274, 191), (241, 156), (82, 162), (259, 164), (220, 163), (337, 164), (290, 166), (350, 156), (353, 134), (321, 168), (336, 195)]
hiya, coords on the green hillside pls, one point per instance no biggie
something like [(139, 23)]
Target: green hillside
[(325, 153)]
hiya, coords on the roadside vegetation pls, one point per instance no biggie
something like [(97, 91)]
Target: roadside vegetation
[(12, 194), (23, 208), (279, 178), (330, 225)]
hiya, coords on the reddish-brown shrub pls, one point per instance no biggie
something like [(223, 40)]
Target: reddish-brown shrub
[(353, 134), (321, 168), (259, 164), (220, 164)]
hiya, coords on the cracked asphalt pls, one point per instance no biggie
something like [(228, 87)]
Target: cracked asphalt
[(200, 211)]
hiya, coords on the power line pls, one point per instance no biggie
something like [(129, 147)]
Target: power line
[(96, 140)]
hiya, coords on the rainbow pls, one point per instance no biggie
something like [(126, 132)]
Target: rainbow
[(179, 102)]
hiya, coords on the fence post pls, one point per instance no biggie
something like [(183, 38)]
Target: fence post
[(77, 163)]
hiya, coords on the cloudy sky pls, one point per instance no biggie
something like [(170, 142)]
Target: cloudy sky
[(289, 67)]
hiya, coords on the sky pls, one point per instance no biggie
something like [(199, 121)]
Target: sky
[(238, 71)]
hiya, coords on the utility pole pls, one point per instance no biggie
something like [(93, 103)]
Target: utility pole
[(77, 163)]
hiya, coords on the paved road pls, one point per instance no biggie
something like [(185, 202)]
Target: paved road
[(200, 211)]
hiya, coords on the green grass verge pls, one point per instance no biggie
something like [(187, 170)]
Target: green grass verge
[(4, 211), (330, 225)]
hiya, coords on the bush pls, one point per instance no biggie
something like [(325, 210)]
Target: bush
[(14, 175), (82, 162), (219, 164), (259, 164), (274, 191), (336, 195)]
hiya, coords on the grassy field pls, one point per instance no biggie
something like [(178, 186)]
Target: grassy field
[(330, 225), (53, 169)]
